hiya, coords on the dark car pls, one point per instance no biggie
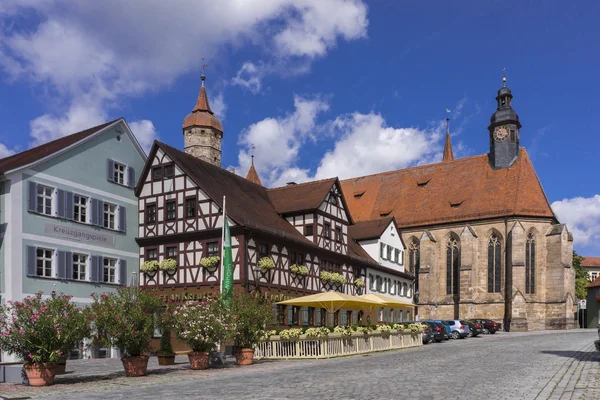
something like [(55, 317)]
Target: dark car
[(427, 334), (444, 324), (437, 330), (475, 327), (489, 326)]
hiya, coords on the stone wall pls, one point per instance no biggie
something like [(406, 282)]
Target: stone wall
[(203, 143), (549, 307)]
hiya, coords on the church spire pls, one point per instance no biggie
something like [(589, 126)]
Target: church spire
[(448, 154), (252, 174)]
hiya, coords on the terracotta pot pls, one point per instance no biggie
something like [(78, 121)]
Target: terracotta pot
[(198, 359), (166, 359), (135, 365), (245, 356), (40, 374), (61, 367)]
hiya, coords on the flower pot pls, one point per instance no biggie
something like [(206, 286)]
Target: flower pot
[(40, 374), (135, 365), (166, 359), (61, 367), (245, 356), (198, 359)]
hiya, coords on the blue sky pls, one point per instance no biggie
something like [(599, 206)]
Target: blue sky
[(320, 88)]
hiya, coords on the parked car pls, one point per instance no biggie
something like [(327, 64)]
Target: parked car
[(474, 327), (427, 334), (445, 324), (489, 326), (459, 330), (597, 342), (438, 331)]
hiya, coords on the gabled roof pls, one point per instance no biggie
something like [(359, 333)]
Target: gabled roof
[(253, 176), (247, 203), (300, 197), (459, 190), (32, 155), (590, 262), (369, 229), (594, 284)]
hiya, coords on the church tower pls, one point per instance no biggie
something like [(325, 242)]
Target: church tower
[(504, 131), (202, 131)]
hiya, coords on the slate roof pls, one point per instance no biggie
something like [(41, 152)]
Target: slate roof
[(369, 229), (37, 153), (590, 262), (300, 197), (451, 191)]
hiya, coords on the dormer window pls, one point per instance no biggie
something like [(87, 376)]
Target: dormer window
[(423, 182), (359, 194)]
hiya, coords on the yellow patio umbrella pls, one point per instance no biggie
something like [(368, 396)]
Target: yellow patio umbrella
[(331, 301), (386, 301)]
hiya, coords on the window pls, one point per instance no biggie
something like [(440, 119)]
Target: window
[(397, 256), (110, 270), (263, 251), (190, 207), (530, 265), (79, 266), (156, 173), (512, 135), (80, 208), (212, 249), (281, 311), (338, 233), (452, 266), (326, 229), (119, 173), (171, 252), (44, 262), (379, 283), (171, 210), (308, 230), (151, 254), (594, 276), (110, 211), (389, 253), (44, 199), (413, 257), (169, 171), (371, 282), (296, 258), (151, 213), (311, 316), (382, 250), (405, 289), (494, 264)]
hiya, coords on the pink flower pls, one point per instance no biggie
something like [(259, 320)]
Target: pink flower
[(60, 353)]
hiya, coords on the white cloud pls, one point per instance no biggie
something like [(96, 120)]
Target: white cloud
[(79, 117), (5, 151), (218, 106), (582, 216), (248, 77), (145, 132), (104, 52)]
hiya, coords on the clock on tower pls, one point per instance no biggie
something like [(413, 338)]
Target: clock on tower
[(504, 131)]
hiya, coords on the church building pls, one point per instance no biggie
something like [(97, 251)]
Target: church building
[(481, 237)]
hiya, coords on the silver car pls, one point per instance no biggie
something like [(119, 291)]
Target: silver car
[(459, 330)]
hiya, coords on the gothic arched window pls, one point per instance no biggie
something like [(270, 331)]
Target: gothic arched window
[(530, 264), (413, 257), (452, 266), (494, 264)]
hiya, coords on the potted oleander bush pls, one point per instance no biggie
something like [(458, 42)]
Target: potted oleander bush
[(165, 353), (249, 315), (125, 319), (201, 325), (41, 332)]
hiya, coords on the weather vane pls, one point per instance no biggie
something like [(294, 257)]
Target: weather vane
[(447, 119), (203, 77), (252, 153)]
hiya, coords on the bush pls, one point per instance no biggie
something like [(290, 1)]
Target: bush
[(42, 331), (266, 263), (149, 266), (124, 319), (210, 262), (200, 324), (321, 332), (299, 270), (165, 347), (249, 316)]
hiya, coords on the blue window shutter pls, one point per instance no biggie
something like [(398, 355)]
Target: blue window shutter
[(31, 261), (60, 204), (123, 272), (122, 220), (94, 212), (69, 265), (32, 203), (61, 270), (290, 315), (100, 212), (130, 177), (304, 313), (100, 269), (95, 265), (69, 205), (110, 172)]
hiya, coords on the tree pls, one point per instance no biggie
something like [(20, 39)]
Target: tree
[(581, 277)]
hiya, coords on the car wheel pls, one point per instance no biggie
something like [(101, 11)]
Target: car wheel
[(438, 340), (492, 332), (486, 331), (455, 335), (470, 334)]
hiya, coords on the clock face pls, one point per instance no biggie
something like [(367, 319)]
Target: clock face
[(501, 133)]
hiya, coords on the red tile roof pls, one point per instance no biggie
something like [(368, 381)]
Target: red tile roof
[(202, 115), (253, 176), (590, 262), (594, 284), (300, 197), (459, 190), (448, 154), (34, 154)]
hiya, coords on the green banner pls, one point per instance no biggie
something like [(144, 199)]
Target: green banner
[(227, 289)]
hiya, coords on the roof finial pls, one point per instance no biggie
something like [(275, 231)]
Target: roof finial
[(203, 77), (448, 153), (252, 153), (504, 77), (447, 120)]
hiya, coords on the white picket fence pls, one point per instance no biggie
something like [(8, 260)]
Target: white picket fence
[(335, 345)]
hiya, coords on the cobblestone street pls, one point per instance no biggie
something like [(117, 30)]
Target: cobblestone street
[(541, 365)]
